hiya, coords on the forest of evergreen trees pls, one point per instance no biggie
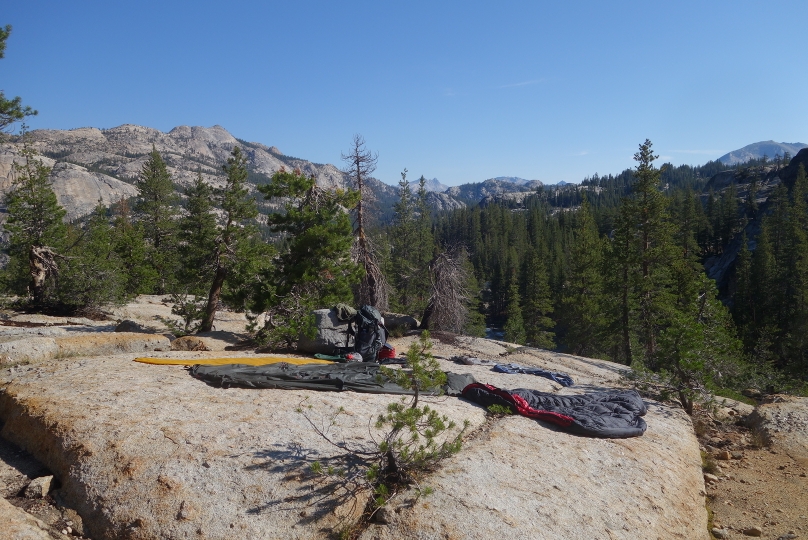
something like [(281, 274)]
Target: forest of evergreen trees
[(613, 268)]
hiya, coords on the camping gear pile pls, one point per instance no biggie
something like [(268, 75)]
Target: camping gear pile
[(357, 340), (344, 334)]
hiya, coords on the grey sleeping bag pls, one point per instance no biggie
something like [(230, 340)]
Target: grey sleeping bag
[(357, 376)]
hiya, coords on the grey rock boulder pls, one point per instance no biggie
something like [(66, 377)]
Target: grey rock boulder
[(784, 423), (39, 487), (524, 479), (146, 451), (398, 320), (28, 349), (331, 333), (104, 343), (189, 343), (131, 326)]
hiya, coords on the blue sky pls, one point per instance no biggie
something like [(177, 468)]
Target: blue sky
[(461, 91)]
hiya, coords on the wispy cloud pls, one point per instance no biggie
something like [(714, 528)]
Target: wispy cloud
[(524, 83), (579, 153), (448, 92)]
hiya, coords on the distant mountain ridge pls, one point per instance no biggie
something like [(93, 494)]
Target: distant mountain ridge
[(433, 185), (516, 180), (436, 186), (92, 165), (757, 150)]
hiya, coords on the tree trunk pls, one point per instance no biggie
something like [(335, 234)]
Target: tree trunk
[(213, 299), (687, 402), (41, 266), (428, 312), (370, 283)]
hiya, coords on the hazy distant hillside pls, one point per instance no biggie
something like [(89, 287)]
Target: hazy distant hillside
[(474, 193), (757, 150), (433, 185), (516, 180)]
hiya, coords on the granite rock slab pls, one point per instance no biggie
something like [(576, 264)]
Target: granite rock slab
[(144, 451)]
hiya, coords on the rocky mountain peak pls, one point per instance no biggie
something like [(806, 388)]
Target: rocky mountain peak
[(91, 164), (757, 150)]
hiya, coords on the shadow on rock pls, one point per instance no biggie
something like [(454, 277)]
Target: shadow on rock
[(341, 488)]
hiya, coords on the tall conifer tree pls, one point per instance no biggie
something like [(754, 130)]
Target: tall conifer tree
[(582, 310), (131, 247), (37, 233), (239, 210), (94, 274), (655, 236), (157, 210), (373, 288), (537, 304), (744, 308), (197, 235), (315, 269), (514, 323), (403, 240)]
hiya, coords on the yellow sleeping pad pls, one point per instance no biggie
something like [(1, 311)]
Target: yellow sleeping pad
[(249, 360)]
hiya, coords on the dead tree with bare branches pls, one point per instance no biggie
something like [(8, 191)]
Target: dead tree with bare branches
[(360, 164), (448, 303)]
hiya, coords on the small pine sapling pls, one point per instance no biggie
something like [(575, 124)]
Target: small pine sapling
[(415, 441), (411, 445)]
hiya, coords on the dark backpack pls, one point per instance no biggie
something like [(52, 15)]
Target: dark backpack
[(369, 333)]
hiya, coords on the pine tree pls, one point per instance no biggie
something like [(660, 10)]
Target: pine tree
[(239, 209), (514, 324), (765, 297), (157, 211), (36, 231), (655, 237), (131, 248), (197, 235), (536, 303), (621, 274), (715, 223), (778, 226), (475, 318), (641, 265), (315, 269), (424, 247), (729, 214), (582, 312), (685, 265), (698, 350), (94, 274), (744, 308), (402, 239), (795, 346)]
